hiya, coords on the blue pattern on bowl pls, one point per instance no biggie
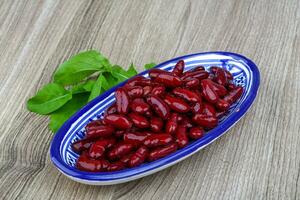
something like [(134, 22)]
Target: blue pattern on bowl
[(245, 74)]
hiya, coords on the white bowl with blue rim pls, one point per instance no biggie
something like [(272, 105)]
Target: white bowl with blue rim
[(245, 73)]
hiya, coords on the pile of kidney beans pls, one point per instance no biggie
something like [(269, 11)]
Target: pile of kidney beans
[(154, 117)]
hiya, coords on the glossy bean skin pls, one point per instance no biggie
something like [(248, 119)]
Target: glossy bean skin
[(118, 121), (181, 137), (119, 133), (205, 121), (153, 73), (172, 123), (222, 105), (162, 151), (234, 95), (200, 75), (231, 86), (187, 95), (220, 77), (177, 104), (179, 67), (209, 110), (139, 120), (139, 106), (111, 110), (119, 151), (93, 124), (138, 157), (98, 148), (81, 145), (125, 159), (135, 91), (99, 131), (159, 139), (86, 164), (208, 93), (192, 83), (115, 166), (122, 101), (147, 90), (198, 68), (197, 107), (219, 89), (168, 80), (158, 90), (186, 122), (196, 133), (138, 81), (159, 106), (156, 124), (135, 139)]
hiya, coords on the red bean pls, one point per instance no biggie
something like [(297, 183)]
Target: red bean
[(81, 145), (118, 121), (231, 86), (222, 105), (159, 139), (120, 150), (220, 77), (186, 122), (98, 148), (198, 68), (208, 93), (99, 131), (111, 110), (139, 106), (205, 121), (228, 75), (187, 95), (147, 90), (139, 120), (138, 81), (181, 136), (158, 90), (156, 124), (195, 74), (177, 104), (192, 83), (168, 80), (234, 95), (219, 89), (115, 166), (197, 108), (148, 113), (86, 164), (220, 114), (138, 157), (179, 67), (122, 101), (196, 133), (209, 110), (171, 124), (159, 106), (153, 73), (213, 69), (119, 133), (125, 159), (135, 91), (135, 138), (93, 124), (162, 151)]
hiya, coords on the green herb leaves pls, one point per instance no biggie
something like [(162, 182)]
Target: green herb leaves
[(78, 80)]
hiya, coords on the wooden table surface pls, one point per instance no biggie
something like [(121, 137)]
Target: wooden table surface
[(257, 159)]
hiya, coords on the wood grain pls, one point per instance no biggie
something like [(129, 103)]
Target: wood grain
[(257, 159)]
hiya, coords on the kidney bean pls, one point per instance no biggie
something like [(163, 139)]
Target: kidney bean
[(198, 68), (220, 76), (179, 117), (139, 120), (220, 114), (97, 149), (186, 122), (169, 80), (159, 139), (181, 136), (81, 145), (156, 124), (147, 90), (99, 131), (118, 121), (171, 124), (119, 133), (111, 110), (196, 133), (179, 67), (125, 159), (222, 105), (177, 104), (162, 151), (153, 73), (209, 110), (135, 91), (122, 101), (228, 75), (159, 106), (213, 69), (219, 89), (138, 81), (187, 95), (195, 74), (158, 90), (208, 93), (234, 95), (119, 150), (211, 77), (115, 166), (148, 113), (192, 83), (135, 138), (86, 164), (197, 107), (139, 106), (230, 86), (205, 121), (138, 157)]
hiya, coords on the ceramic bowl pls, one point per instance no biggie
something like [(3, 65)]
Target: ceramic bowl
[(245, 73)]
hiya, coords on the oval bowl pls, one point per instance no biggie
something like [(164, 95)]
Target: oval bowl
[(245, 74)]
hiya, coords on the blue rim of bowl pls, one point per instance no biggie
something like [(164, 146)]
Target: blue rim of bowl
[(138, 171)]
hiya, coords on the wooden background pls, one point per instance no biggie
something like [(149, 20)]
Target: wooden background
[(258, 159)]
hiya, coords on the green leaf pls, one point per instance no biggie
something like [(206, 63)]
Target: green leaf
[(131, 70), (120, 74), (51, 97), (79, 67), (150, 65), (83, 87), (98, 87), (111, 81), (61, 115)]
